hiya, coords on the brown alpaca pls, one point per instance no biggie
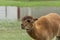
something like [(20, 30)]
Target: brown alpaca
[(27, 23), (45, 28)]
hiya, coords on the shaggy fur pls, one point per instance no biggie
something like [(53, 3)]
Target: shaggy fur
[(45, 28), (27, 23)]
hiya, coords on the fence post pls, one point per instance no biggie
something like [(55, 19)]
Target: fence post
[(6, 12), (18, 13)]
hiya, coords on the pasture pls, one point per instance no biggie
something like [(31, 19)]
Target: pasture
[(30, 4), (10, 30)]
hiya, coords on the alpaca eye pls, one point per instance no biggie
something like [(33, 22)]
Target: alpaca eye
[(28, 20)]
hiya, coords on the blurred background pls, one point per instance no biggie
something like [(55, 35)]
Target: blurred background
[(38, 11), (9, 23), (32, 0), (9, 12)]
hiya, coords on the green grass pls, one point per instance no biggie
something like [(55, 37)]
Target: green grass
[(11, 30), (30, 4)]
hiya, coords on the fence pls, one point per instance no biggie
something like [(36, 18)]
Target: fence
[(39, 11), (8, 12)]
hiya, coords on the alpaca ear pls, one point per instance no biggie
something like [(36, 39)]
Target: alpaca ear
[(35, 19)]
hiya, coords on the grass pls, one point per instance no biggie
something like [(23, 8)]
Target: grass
[(11, 30), (30, 4)]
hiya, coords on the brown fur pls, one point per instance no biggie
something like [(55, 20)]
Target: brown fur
[(29, 25), (46, 27)]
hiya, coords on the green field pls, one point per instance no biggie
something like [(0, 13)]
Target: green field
[(10, 30), (30, 4)]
